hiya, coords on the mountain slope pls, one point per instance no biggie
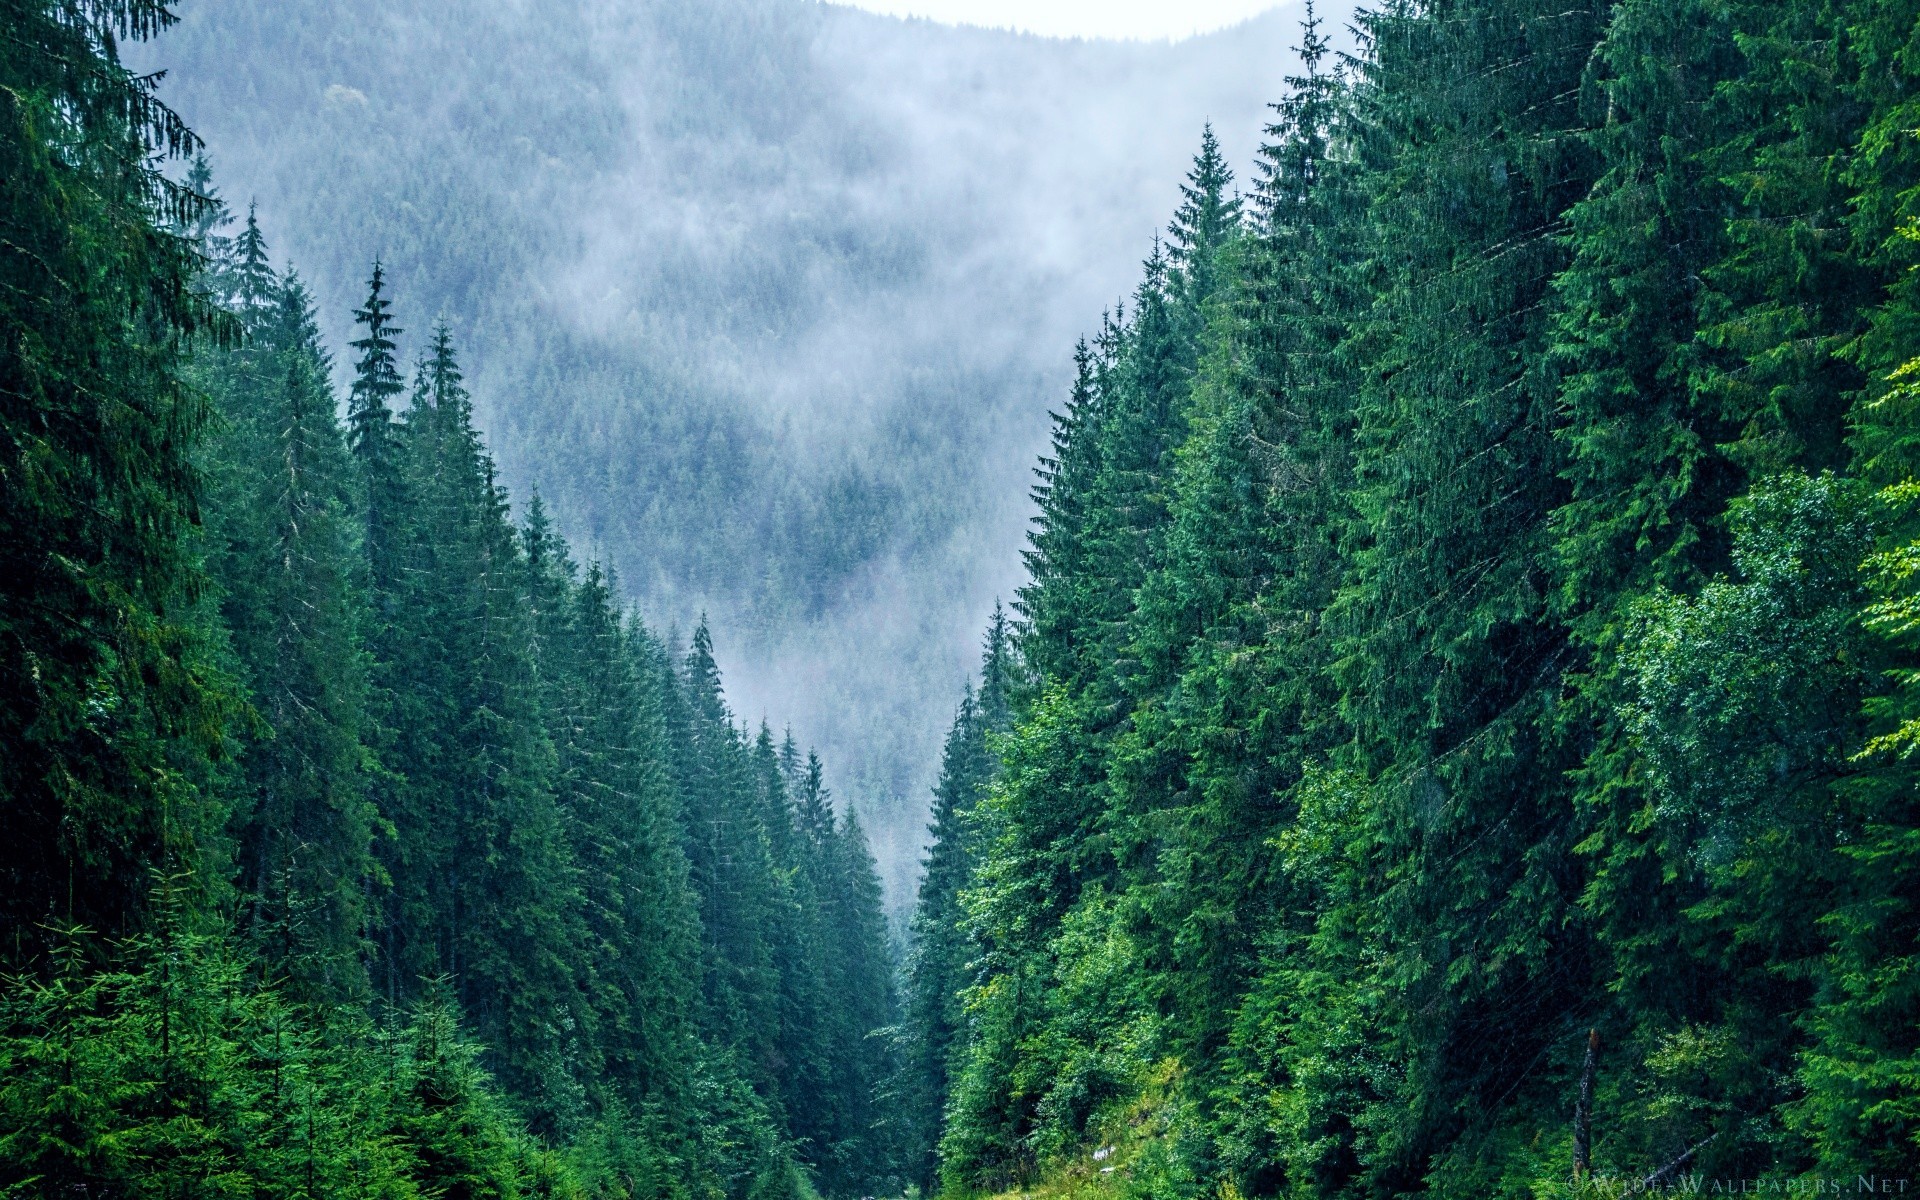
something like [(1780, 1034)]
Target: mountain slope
[(773, 294)]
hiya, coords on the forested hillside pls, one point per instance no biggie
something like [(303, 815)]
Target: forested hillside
[(1458, 737), (359, 842), (768, 297)]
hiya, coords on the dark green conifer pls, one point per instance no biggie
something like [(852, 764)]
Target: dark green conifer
[(372, 432), (283, 552), (106, 696)]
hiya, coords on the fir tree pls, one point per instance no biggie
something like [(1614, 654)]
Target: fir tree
[(371, 431), (103, 679), (283, 552)]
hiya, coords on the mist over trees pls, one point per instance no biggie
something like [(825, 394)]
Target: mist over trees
[(361, 840), (768, 298), (1454, 735)]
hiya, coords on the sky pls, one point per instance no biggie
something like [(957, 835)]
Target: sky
[(1153, 20)]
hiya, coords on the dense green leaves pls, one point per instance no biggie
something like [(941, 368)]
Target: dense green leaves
[(1463, 635), (466, 885), (107, 694)]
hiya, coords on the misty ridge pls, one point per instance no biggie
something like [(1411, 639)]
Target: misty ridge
[(1450, 728), (768, 300)]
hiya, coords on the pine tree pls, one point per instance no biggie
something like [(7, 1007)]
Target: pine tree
[(105, 688), (371, 431), (283, 554), (731, 871)]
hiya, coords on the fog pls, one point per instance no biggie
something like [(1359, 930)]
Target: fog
[(1138, 19), (769, 299)]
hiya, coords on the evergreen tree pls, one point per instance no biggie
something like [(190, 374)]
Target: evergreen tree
[(939, 965), (1208, 217), (371, 431), (282, 550), (107, 697), (357, 718), (732, 872), (623, 831), (1349, 795), (1449, 743), (484, 891), (861, 1158)]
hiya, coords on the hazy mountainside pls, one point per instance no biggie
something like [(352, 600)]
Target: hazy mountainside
[(359, 841), (1458, 736), (768, 299)]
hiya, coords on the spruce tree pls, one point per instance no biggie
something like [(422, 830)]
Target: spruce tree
[(484, 890), (105, 689), (622, 827), (1208, 217), (371, 432), (731, 870), (940, 963), (283, 550)]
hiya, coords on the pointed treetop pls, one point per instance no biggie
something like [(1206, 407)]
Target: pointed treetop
[(963, 720), (1291, 161), (854, 834), (703, 675), (997, 672), (815, 804), (255, 286), (1312, 47), (1209, 210), (209, 213), (537, 537), (537, 519), (376, 374), (790, 757), (602, 575), (200, 177), (599, 587), (1155, 268), (422, 386), (375, 313), (299, 326), (443, 366), (997, 635)]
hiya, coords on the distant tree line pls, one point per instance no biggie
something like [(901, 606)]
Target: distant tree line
[(1459, 735), (357, 841)]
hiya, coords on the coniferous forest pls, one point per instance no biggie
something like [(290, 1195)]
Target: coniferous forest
[(1460, 735), (357, 842)]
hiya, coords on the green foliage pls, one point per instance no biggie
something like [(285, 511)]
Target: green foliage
[(1467, 743), (282, 551), (940, 963), (1458, 737), (109, 700), (439, 914), (174, 1073)]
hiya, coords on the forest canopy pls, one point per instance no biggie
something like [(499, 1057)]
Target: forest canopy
[(1457, 738), (1460, 735), (359, 841)]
